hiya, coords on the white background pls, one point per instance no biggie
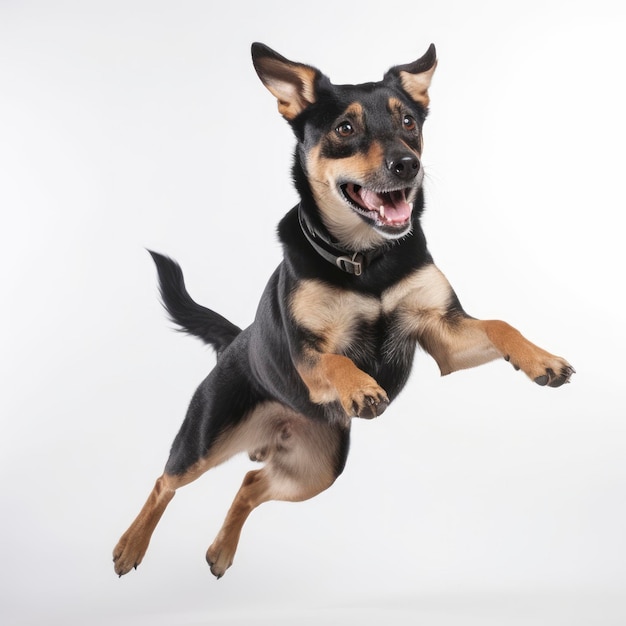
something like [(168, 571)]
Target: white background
[(479, 498)]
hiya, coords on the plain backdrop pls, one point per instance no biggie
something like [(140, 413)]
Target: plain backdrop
[(478, 498)]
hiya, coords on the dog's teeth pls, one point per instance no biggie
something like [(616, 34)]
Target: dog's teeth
[(382, 211)]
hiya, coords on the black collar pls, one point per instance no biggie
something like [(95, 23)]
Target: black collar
[(329, 249)]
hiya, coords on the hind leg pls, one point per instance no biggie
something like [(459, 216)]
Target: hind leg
[(303, 458), (214, 429), (132, 546), (255, 489)]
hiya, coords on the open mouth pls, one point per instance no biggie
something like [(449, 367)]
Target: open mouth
[(389, 209)]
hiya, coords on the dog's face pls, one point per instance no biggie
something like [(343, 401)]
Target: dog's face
[(359, 145)]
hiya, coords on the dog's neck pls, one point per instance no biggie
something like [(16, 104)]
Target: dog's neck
[(330, 250)]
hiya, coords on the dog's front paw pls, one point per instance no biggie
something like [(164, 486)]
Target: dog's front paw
[(544, 368), (371, 406), (553, 378), (335, 378), (368, 401)]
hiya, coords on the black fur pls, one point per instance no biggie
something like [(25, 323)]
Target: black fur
[(192, 317)]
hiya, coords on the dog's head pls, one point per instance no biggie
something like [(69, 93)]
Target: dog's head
[(359, 146)]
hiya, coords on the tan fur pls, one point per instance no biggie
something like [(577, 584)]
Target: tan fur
[(332, 314), (423, 291), (511, 344), (331, 377), (354, 114), (396, 106), (416, 85), (348, 228), (132, 546), (295, 91)]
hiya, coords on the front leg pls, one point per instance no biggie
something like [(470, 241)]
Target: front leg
[(431, 312), (460, 342), (334, 377), (323, 324)]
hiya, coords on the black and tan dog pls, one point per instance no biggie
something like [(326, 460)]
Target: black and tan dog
[(340, 319)]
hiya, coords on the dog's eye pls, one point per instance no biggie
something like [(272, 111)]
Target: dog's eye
[(345, 129), (409, 122)]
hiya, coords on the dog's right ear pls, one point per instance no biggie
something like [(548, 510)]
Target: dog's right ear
[(293, 84)]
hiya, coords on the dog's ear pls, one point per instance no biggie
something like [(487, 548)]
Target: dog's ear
[(293, 84), (415, 77)]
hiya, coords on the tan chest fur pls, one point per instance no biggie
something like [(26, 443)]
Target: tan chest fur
[(334, 315)]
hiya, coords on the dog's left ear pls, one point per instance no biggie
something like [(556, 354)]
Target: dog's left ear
[(415, 77), (293, 84)]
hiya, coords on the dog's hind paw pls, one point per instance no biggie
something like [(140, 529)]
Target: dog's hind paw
[(219, 559), (127, 555)]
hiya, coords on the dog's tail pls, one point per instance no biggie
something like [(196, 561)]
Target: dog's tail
[(192, 317)]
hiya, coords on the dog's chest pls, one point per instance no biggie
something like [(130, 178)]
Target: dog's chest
[(366, 327)]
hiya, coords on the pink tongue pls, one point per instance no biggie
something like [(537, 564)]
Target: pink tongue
[(395, 208)]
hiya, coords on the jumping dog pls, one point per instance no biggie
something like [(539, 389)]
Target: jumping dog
[(339, 321)]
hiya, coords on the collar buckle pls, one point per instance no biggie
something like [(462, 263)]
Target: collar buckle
[(351, 265)]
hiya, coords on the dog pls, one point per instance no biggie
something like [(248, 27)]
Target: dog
[(340, 319)]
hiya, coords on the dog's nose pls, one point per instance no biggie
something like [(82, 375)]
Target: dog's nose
[(404, 167)]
